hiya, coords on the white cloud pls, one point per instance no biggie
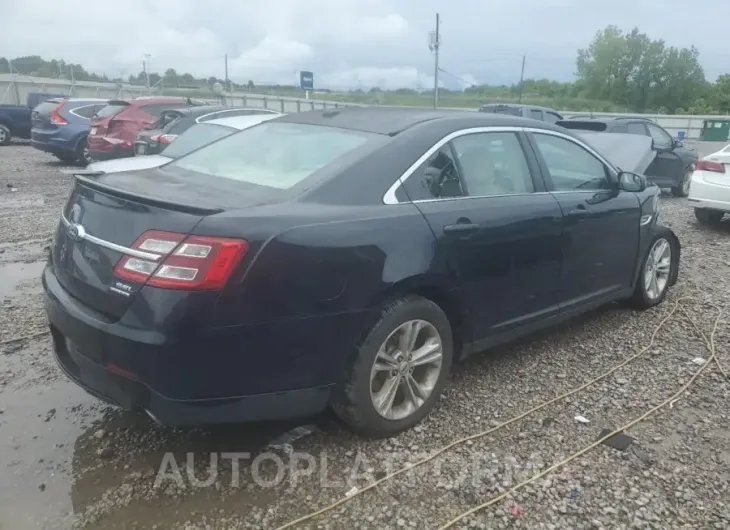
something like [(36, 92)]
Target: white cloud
[(344, 41)]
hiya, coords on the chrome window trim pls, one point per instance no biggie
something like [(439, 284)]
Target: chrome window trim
[(113, 246), (73, 111), (390, 199)]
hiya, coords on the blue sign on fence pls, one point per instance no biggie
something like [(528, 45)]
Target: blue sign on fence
[(306, 80)]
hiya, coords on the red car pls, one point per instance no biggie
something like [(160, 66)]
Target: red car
[(114, 128)]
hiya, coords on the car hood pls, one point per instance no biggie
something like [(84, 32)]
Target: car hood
[(628, 152), (129, 164)]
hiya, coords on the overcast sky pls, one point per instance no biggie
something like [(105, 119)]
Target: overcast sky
[(350, 43)]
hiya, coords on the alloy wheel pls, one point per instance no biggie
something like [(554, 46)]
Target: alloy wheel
[(657, 269), (406, 369)]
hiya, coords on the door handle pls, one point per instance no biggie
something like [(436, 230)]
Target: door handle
[(461, 228), (580, 210)]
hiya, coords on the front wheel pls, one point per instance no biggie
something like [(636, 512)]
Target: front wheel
[(708, 217), (682, 189), (400, 369), (658, 272)]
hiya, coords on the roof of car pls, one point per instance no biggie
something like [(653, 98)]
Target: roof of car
[(394, 120), (607, 119), (516, 105), (243, 122)]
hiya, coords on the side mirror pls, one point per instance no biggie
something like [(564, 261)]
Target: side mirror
[(633, 182)]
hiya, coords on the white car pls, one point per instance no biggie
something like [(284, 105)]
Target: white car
[(709, 189), (195, 137)]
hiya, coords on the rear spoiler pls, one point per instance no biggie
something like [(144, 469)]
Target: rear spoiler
[(86, 178)]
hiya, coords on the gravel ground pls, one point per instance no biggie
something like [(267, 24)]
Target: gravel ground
[(67, 460)]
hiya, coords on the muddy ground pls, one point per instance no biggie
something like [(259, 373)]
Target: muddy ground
[(68, 460)]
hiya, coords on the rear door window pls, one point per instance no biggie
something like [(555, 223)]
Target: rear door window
[(623, 129), (637, 128), (536, 114), (112, 109), (273, 155)]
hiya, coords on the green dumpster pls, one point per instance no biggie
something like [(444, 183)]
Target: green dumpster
[(715, 131)]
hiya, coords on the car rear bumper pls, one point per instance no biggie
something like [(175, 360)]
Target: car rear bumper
[(710, 191), (140, 369), (111, 154), (54, 148)]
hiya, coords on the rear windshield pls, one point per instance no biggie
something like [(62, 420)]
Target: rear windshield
[(502, 109), (45, 108), (112, 110), (195, 137), (274, 155)]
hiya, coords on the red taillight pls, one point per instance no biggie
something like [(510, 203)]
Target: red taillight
[(164, 138), (56, 118), (709, 165), (186, 262)]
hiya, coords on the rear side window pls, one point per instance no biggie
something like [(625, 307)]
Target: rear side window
[(624, 129), (195, 137), (274, 155), (536, 114), (112, 110)]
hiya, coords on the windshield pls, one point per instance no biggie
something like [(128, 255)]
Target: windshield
[(276, 155), (195, 137)]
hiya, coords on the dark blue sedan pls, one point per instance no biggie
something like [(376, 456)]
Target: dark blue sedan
[(343, 258), (60, 127)]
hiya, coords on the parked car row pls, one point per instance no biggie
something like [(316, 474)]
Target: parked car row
[(343, 258)]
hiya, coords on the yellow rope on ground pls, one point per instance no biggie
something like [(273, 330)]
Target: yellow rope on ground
[(487, 432), (711, 347)]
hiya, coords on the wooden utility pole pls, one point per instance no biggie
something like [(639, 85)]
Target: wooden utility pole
[(522, 78)]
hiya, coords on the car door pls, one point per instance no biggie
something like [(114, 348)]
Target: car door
[(601, 224), (498, 228), (667, 166)]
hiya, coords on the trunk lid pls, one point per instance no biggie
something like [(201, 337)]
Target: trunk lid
[(110, 216)]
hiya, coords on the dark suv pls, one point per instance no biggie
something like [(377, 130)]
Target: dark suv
[(526, 111), (674, 163)]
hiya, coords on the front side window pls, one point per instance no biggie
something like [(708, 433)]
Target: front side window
[(274, 155), (536, 114), (661, 137), (571, 167)]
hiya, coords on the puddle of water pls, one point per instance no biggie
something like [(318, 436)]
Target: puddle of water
[(12, 274), (35, 455)]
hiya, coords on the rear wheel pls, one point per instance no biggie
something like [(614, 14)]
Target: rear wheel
[(708, 217), (4, 135), (400, 370), (682, 189), (83, 155)]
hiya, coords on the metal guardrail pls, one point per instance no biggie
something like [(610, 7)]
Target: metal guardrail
[(15, 88)]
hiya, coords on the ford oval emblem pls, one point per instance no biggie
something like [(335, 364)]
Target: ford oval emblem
[(76, 232)]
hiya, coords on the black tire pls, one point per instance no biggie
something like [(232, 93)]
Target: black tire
[(708, 217), (352, 401), (682, 189), (5, 135), (83, 157), (641, 299)]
